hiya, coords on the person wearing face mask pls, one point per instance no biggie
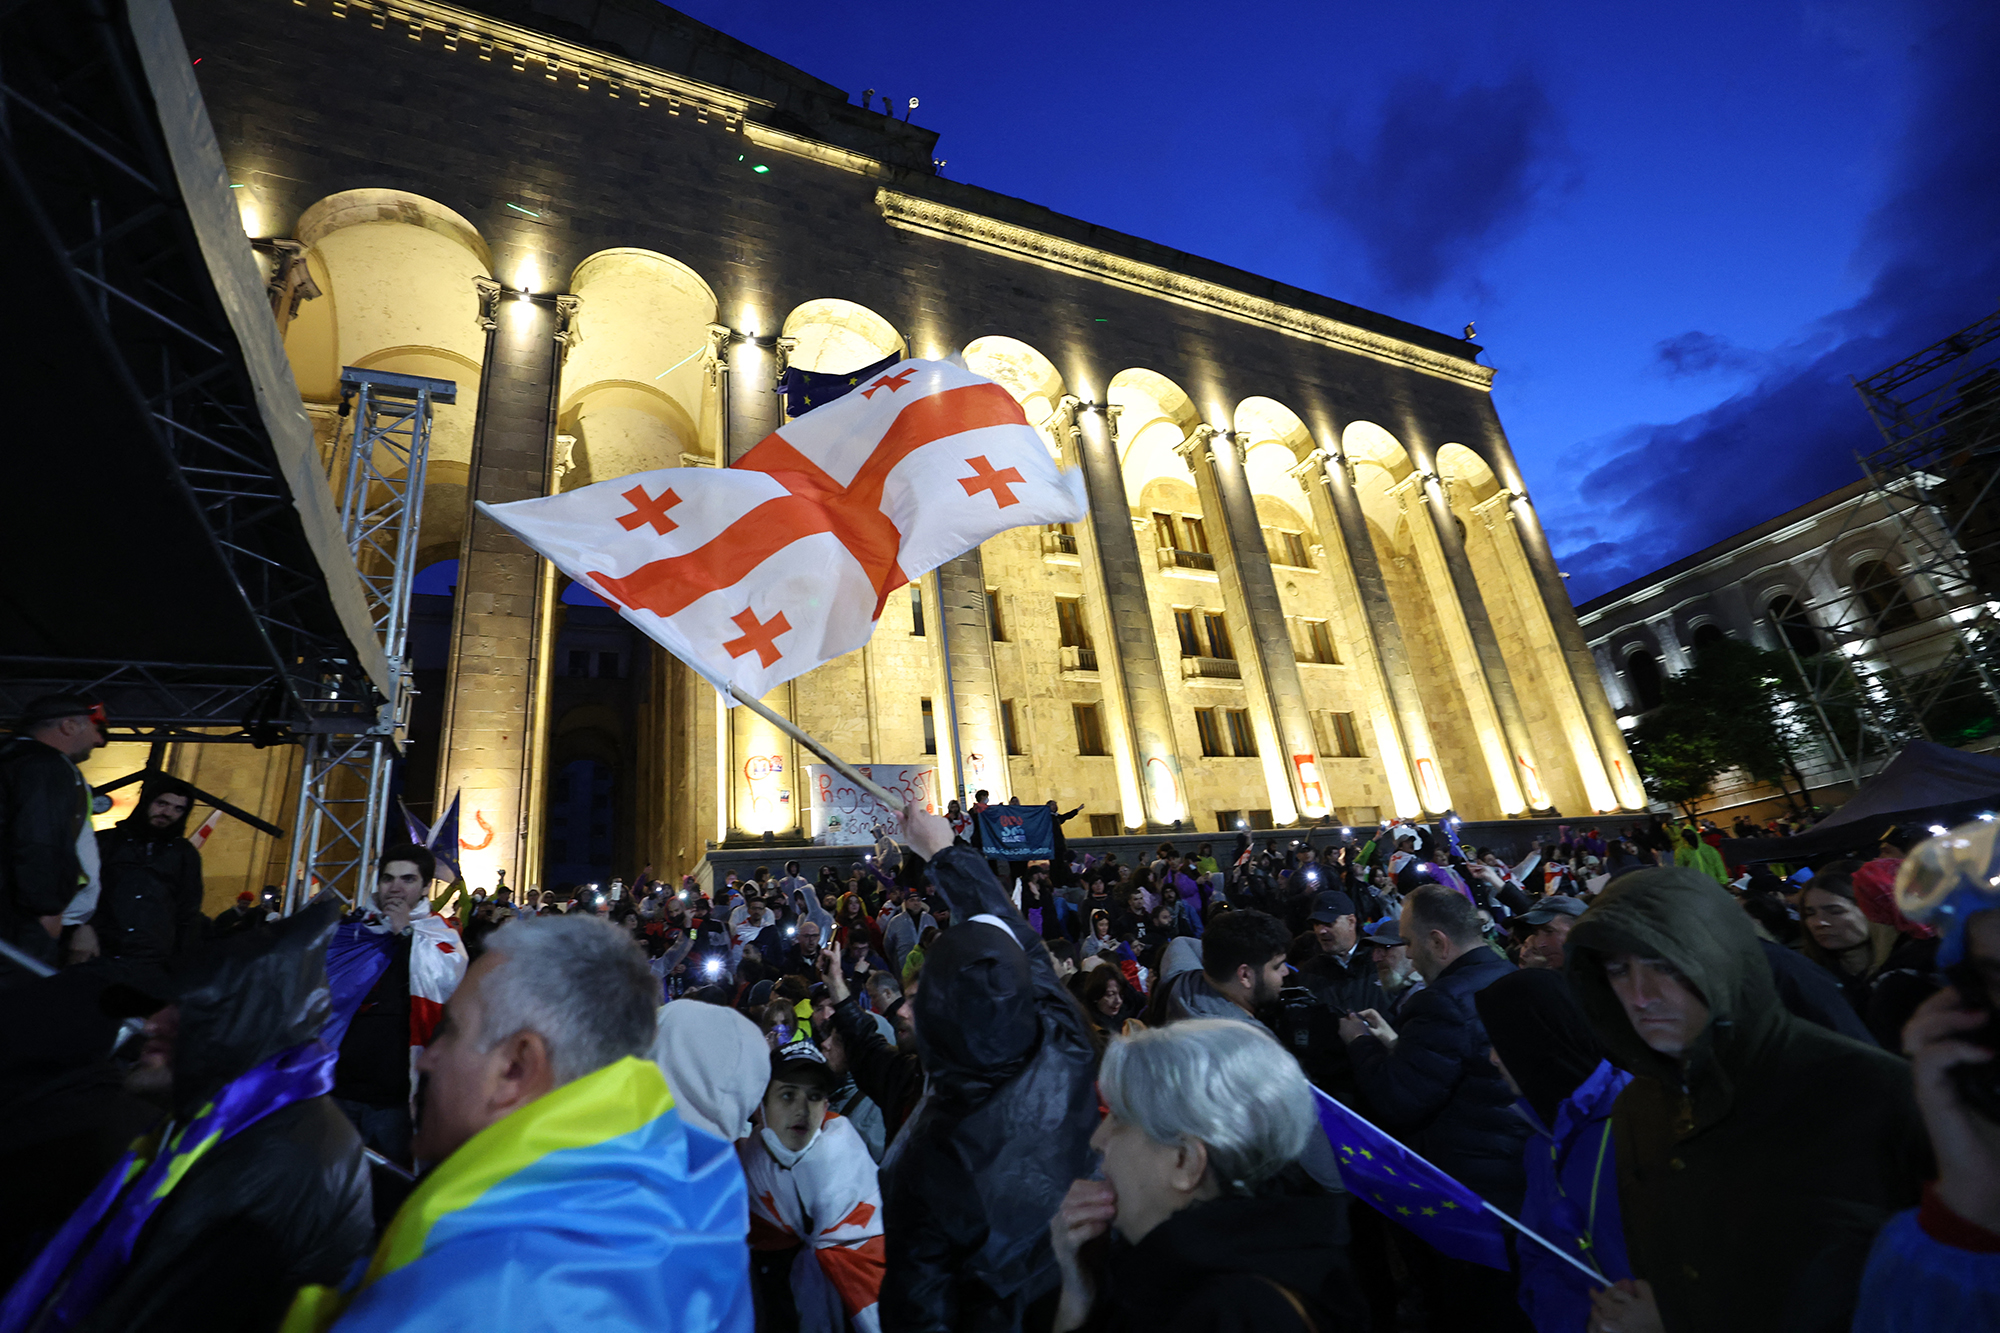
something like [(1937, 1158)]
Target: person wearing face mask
[(392, 966), (1758, 1153), (815, 1208), (1203, 1116)]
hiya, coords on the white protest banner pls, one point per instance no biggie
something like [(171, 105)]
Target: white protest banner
[(841, 814)]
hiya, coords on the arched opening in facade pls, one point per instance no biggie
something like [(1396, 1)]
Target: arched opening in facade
[(1705, 634), (635, 387), (833, 337), (1045, 618), (1392, 502), (1794, 624), (1884, 596), (1642, 670)]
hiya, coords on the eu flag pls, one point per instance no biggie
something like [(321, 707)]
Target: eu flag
[(1410, 1191), (806, 389)]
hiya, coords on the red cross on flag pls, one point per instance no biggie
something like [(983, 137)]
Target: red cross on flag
[(758, 572)]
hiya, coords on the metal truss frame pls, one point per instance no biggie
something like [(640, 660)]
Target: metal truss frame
[(379, 477), (1937, 477)]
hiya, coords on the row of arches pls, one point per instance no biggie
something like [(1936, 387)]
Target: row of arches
[(398, 276)]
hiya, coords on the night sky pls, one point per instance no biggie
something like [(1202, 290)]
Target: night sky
[(1680, 229)]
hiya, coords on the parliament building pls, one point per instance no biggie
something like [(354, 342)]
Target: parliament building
[(1311, 588)]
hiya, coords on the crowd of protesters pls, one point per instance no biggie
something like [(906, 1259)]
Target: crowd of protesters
[(945, 1093)]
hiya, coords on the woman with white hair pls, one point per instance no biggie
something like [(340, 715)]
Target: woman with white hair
[(1204, 1116)]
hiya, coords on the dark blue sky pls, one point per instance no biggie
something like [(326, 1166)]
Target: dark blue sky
[(1680, 228)]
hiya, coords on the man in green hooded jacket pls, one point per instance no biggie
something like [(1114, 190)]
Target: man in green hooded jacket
[(1758, 1153)]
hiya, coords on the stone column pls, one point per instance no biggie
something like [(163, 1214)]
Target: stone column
[(1455, 602), (1404, 732), (1150, 765), (1562, 616), (766, 783), (1271, 677), (1496, 517), (974, 699), (495, 714), (1527, 760)]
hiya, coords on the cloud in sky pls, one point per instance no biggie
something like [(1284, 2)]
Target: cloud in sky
[(1443, 174), (1693, 353), (1655, 493)]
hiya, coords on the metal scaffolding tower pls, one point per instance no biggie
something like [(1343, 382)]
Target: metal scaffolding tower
[(378, 480), (1907, 645)]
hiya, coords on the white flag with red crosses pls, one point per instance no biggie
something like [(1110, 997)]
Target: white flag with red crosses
[(758, 572)]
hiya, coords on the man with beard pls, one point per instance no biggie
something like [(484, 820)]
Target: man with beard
[(149, 907)]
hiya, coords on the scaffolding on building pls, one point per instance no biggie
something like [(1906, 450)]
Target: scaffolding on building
[(377, 474), (1904, 643)]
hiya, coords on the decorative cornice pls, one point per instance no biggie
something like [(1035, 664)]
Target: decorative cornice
[(911, 213), (586, 68)]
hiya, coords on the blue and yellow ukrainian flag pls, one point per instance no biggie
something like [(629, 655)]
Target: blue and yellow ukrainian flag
[(595, 1206)]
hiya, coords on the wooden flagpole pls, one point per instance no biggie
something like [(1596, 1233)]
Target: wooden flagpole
[(840, 765)]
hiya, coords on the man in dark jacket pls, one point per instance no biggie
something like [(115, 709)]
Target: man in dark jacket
[(1757, 1153), (149, 907), (969, 1185), (253, 1184), (1341, 977), (891, 1078), (44, 811), (1430, 1081)]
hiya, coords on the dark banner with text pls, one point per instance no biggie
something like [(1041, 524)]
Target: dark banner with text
[(1017, 832)]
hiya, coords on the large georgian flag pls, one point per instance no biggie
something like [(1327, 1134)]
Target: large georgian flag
[(758, 572)]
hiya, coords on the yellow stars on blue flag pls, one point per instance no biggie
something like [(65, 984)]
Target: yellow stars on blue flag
[(1403, 1186)]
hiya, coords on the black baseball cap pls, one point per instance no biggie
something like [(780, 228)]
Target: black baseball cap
[(1331, 905), (1548, 909), (802, 1062), (49, 707)]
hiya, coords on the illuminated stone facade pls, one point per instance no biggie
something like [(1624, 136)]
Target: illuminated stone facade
[(1311, 584)]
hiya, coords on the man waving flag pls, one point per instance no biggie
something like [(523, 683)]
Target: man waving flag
[(758, 572)]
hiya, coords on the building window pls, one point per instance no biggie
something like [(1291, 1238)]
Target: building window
[(994, 624), (1195, 532), (1008, 731), (1089, 729), (1218, 635), (1338, 738), (1189, 630), (1883, 594), (1291, 550), (1104, 826), (1060, 538), (1315, 642), (916, 610), (607, 666), (930, 729), (1210, 729), (1643, 670), (1069, 623), (1165, 534), (1241, 739), (579, 662), (1795, 625), (1705, 634), (1228, 821), (1261, 819)]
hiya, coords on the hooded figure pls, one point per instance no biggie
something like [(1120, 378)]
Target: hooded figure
[(972, 1179), (253, 1185), (1755, 1167), (149, 907), (717, 1065)]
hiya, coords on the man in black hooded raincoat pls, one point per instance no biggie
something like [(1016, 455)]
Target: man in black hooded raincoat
[(281, 1201), (1757, 1163), (973, 1178)]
